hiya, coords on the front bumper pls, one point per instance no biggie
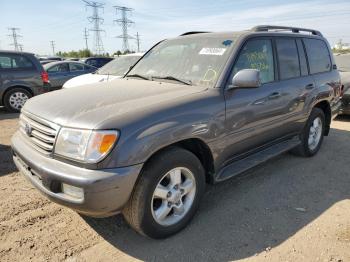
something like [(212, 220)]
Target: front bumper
[(105, 191)]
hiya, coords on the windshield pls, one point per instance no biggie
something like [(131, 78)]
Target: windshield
[(119, 66), (343, 62), (195, 60)]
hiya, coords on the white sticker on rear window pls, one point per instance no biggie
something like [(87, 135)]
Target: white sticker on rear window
[(212, 51)]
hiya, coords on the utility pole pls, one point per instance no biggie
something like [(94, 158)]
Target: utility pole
[(20, 47), (96, 20), (125, 23), (15, 37), (53, 47), (86, 35), (138, 42)]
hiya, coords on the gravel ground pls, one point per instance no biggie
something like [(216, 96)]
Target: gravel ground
[(289, 209)]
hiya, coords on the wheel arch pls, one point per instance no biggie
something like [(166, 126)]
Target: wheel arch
[(326, 108), (8, 89), (199, 148)]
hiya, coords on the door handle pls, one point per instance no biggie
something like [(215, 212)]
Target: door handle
[(309, 86), (274, 95)]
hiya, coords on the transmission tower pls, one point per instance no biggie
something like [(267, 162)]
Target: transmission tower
[(15, 37), (125, 23), (138, 41), (53, 47), (96, 20), (86, 36)]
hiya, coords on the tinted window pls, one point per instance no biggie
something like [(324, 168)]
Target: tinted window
[(12, 61), (76, 67), (57, 68), (302, 58), (257, 54), (288, 59), (93, 62), (318, 55)]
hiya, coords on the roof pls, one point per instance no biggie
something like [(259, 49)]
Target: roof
[(15, 52), (261, 29)]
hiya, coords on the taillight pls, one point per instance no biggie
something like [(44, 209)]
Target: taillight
[(45, 77)]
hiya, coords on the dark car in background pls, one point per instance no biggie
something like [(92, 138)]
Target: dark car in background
[(61, 72), (96, 61), (343, 64), (21, 77), (44, 62)]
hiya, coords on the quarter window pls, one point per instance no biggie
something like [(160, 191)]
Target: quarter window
[(318, 55), (288, 59), (257, 54)]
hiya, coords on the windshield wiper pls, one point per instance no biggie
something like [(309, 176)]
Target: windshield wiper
[(189, 82), (139, 76)]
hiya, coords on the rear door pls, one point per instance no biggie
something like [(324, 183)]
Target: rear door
[(17, 69), (294, 82), (58, 75)]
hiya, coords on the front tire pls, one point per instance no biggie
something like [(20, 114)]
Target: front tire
[(167, 194), (15, 99), (312, 135)]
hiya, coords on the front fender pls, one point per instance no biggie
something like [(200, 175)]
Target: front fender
[(202, 119)]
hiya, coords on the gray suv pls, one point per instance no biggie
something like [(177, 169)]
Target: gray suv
[(21, 77), (199, 108)]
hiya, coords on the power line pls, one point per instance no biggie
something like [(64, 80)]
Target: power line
[(86, 36), (53, 47), (15, 37), (125, 23), (138, 41), (96, 20)]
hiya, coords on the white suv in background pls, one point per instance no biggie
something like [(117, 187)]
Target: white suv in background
[(112, 70)]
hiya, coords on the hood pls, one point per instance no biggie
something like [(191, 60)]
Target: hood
[(88, 79), (87, 106)]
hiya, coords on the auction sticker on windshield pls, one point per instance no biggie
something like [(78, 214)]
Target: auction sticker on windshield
[(212, 51)]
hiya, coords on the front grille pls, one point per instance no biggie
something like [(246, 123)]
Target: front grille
[(40, 133)]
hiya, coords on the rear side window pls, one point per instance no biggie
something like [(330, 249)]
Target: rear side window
[(60, 68), (302, 58), (318, 55), (76, 67), (257, 54), (288, 58), (13, 61)]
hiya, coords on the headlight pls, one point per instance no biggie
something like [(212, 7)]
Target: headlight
[(85, 145)]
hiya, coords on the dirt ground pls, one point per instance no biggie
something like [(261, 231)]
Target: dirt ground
[(289, 209)]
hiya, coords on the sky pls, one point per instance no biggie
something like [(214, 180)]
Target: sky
[(64, 21)]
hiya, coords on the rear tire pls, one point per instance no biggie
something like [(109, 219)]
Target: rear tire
[(15, 99), (312, 135), (167, 194)]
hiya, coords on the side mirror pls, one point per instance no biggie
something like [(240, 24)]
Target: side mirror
[(246, 78)]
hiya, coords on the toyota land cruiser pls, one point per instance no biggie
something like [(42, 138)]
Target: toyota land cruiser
[(199, 108)]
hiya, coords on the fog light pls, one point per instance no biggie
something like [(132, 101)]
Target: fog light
[(73, 191)]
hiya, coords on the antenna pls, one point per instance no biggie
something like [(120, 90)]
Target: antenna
[(96, 20), (125, 23)]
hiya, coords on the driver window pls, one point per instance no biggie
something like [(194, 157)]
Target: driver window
[(257, 54)]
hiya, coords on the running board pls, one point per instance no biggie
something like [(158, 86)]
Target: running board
[(237, 167)]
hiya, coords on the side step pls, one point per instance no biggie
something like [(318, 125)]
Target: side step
[(237, 167)]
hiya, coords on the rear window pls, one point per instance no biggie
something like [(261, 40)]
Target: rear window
[(13, 61), (76, 67), (318, 55), (288, 58)]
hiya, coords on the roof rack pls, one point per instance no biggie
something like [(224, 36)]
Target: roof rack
[(266, 28), (194, 32)]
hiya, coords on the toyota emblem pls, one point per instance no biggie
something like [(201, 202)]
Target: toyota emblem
[(28, 129)]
